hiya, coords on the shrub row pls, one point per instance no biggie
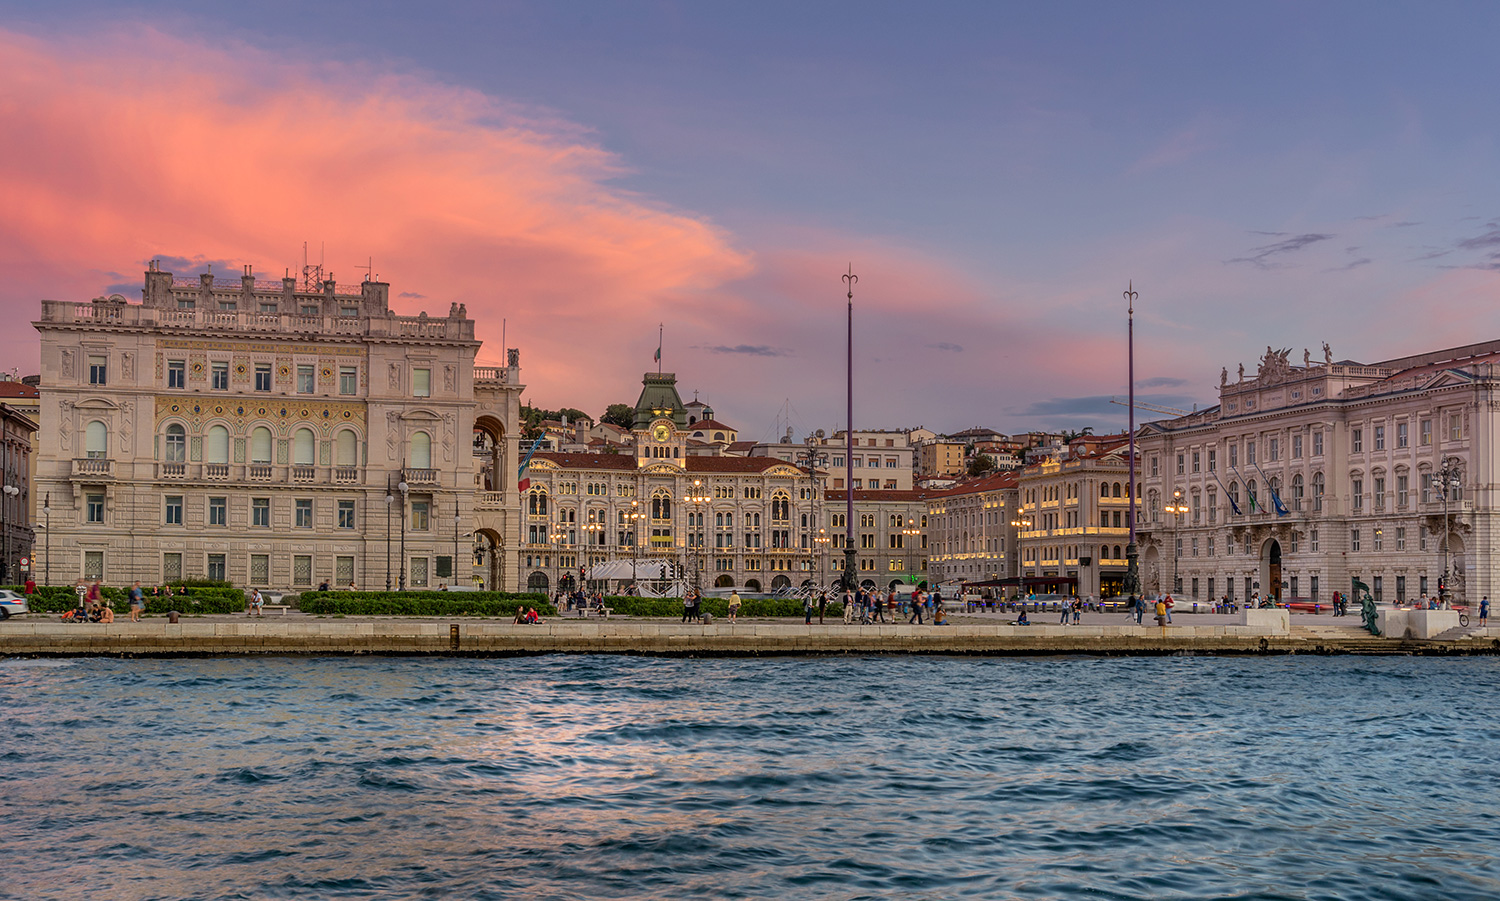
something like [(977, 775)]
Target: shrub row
[(421, 603), (61, 598), (719, 607)]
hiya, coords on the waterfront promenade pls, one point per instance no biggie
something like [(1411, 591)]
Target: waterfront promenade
[(1099, 634)]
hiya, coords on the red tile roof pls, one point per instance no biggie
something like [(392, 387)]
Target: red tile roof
[(993, 482), (883, 494), (711, 424), (735, 464), (18, 389), (589, 461)]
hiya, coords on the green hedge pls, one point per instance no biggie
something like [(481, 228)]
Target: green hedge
[(719, 607), (61, 598), (421, 603)]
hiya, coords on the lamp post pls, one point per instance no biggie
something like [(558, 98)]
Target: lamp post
[(1132, 586), (401, 567), (811, 460), (389, 499), (454, 573), (1449, 478), (591, 529), (909, 536), (696, 499), (10, 492), (47, 516), (850, 279), (1176, 508), (635, 543), (1020, 524)]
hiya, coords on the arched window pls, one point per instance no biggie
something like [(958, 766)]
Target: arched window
[(97, 440), (781, 507), (1251, 496), (260, 444), (421, 451), (176, 450), (1317, 492), (216, 449), (1118, 490), (1234, 494), (302, 447), (346, 449), (1104, 489), (536, 502), (1297, 492), (1118, 555), (1104, 552), (661, 507)]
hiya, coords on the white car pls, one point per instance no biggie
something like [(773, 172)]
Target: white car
[(12, 602)]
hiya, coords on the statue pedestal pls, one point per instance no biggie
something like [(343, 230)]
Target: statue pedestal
[(1275, 620), (1422, 624)]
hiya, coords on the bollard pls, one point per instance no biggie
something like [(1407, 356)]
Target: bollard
[(453, 637), (172, 616)]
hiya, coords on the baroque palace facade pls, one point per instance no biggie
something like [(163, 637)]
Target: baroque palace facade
[(1306, 477), (274, 434), (753, 523)]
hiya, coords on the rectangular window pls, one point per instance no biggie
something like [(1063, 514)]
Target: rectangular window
[(93, 565), (1379, 588), (1213, 460), (1296, 447), (302, 569), (1155, 466), (349, 312), (1234, 455), (1379, 539), (1357, 441), (306, 379), (1317, 444), (444, 567), (1354, 539), (421, 382), (229, 306), (219, 376), (216, 568), (304, 513), (1380, 437), (419, 515), (1358, 495), (346, 514), (1179, 464), (1196, 456), (1294, 586), (308, 309), (1402, 438), (262, 376), (95, 504), (1402, 490), (269, 308), (1400, 589), (1312, 540), (171, 567), (1249, 453), (343, 571), (1210, 545), (1426, 487), (98, 371), (1401, 538), (174, 509), (1422, 584), (260, 569), (260, 512), (1424, 431), (1455, 427), (419, 572), (1273, 450), (218, 511), (1379, 495), (176, 374), (348, 380)]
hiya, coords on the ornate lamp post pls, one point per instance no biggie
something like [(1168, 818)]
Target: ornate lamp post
[(811, 459), (591, 529), (401, 578), (1449, 478), (389, 499), (697, 498), (1132, 586), (635, 545), (1176, 508), (10, 492), (1020, 524), (47, 516), (909, 537), (455, 544)]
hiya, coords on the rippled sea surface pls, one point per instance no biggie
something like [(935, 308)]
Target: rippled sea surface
[(883, 777)]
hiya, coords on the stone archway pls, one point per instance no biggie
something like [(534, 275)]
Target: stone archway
[(537, 583), (1270, 569), (489, 558), (489, 446), (724, 581), (780, 582)]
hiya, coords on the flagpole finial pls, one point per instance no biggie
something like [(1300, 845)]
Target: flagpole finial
[(851, 280), (1131, 295)]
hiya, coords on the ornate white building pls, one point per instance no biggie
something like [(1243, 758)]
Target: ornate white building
[(1306, 477), (275, 434)]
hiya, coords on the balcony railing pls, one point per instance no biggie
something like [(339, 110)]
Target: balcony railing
[(345, 475), (95, 467), (172, 470), (304, 473), (258, 472), (216, 471), (419, 476), (489, 500)]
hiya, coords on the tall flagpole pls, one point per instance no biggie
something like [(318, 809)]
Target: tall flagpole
[(850, 279), (660, 333), (1132, 553)]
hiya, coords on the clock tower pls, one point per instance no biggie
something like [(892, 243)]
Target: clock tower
[(660, 425)]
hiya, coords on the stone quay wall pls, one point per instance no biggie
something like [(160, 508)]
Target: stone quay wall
[(479, 638)]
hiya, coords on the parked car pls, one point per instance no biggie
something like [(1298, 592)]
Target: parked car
[(12, 603)]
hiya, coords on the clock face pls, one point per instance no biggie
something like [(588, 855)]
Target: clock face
[(661, 432)]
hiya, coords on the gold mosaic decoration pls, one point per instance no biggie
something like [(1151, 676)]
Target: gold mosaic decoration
[(277, 412)]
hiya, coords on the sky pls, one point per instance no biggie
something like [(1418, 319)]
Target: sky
[(580, 174)]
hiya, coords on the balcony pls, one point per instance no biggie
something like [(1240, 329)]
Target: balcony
[(258, 472), (345, 475), (171, 470), (304, 473), (93, 468), (419, 476), (489, 500), (216, 471)]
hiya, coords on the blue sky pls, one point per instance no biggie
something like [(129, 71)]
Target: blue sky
[(1270, 174)]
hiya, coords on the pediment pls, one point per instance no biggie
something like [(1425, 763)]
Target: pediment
[(1448, 377), (96, 403), (785, 472), (663, 468)]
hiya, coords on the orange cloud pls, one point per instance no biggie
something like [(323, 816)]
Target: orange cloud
[(135, 143)]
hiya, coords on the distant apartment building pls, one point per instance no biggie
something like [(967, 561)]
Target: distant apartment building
[(939, 457), (881, 459)]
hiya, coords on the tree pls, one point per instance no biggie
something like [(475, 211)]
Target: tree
[(981, 464), (622, 415), (1068, 436)]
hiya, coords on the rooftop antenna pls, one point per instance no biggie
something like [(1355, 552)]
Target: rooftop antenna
[(312, 276), (369, 268)]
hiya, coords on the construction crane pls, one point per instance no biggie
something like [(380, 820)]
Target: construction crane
[(1142, 405)]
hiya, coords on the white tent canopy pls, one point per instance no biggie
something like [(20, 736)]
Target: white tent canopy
[(632, 569)]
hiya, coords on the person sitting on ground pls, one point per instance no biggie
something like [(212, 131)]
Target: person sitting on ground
[(520, 616), (1021, 619), (106, 613)]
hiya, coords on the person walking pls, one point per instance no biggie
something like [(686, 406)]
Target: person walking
[(137, 602), (734, 604), (1065, 606), (687, 606), (1484, 611), (822, 605), (1168, 604), (808, 606), (916, 608), (1140, 609)]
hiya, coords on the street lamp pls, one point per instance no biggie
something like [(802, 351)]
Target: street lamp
[(909, 536), (1020, 524), (401, 577), (635, 543), (47, 516), (590, 529), (389, 499), (1176, 508), (454, 573), (696, 499), (1450, 479), (10, 492)]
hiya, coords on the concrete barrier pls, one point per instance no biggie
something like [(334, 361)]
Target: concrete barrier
[(1273, 620)]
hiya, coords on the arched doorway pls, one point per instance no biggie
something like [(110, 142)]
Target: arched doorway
[(489, 447), (537, 582), (724, 581), (752, 585), (895, 583), (780, 582), (867, 584), (1270, 569), (489, 560)]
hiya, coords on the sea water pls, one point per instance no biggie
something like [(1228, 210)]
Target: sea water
[(575, 777)]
